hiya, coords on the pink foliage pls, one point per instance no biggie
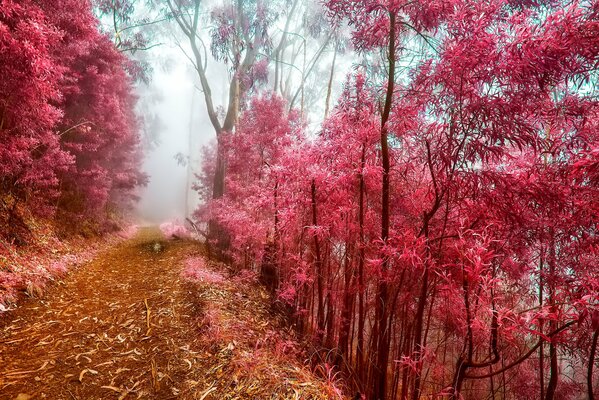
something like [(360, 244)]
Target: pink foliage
[(492, 244), (245, 277), (129, 231), (197, 271), (174, 229), (58, 268), (69, 133), (30, 270)]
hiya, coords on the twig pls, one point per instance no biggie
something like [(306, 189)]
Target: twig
[(147, 317), (211, 389), (154, 373)]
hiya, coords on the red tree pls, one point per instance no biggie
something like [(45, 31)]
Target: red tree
[(439, 233), (69, 130)]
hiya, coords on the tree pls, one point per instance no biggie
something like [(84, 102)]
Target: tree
[(30, 155), (381, 25), (56, 114), (254, 155), (238, 35)]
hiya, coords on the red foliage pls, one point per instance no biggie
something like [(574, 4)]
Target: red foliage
[(491, 258), (197, 271), (69, 135), (30, 153)]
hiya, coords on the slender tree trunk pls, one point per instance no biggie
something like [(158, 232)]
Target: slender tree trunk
[(320, 320), (382, 298), (343, 344), (382, 345), (219, 173), (553, 364), (361, 311), (190, 163), (330, 320), (491, 384), (215, 231), (503, 380), (553, 372), (591, 364), (281, 46), (405, 371), (464, 361), (418, 337), (330, 85), (541, 347)]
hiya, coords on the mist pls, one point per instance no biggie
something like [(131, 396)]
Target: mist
[(182, 128), (176, 110)]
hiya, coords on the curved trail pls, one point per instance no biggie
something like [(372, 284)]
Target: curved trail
[(127, 325)]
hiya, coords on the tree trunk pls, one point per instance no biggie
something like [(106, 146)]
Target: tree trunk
[(553, 364), (330, 318), (361, 311), (320, 320), (348, 299), (382, 299), (591, 364), (330, 85), (216, 233), (541, 348), (418, 325)]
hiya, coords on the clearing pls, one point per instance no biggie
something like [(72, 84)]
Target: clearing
[(128, 325)]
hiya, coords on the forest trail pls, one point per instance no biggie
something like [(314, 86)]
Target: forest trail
[(128, 325)]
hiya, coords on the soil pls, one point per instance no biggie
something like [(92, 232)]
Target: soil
[(128, 325)]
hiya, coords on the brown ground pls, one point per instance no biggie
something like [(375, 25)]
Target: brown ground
[(128, 326)]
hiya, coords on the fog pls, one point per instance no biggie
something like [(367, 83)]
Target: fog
[(176, 120), (182, 128)]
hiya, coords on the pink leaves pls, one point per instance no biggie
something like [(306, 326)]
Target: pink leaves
[(29, 90), (236, 28), (493, 186), (196, 270), (174, 230), (129, 231), (66, 115), (287, 294)]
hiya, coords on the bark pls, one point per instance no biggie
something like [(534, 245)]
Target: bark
[(519, 360), (318, 268), (188, 22), (553, 364), (330, 85), (361, 311), (281, 46), (348, 299), (541, 348), (330, 320), (382, 298), (591, 364), (419, 338)]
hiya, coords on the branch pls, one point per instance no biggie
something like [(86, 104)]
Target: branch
[(157, 21), (523, 358), (427, 39), (76, 126), (313, 63), (134, 49)]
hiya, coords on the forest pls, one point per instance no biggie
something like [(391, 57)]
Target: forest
[(430, 230)]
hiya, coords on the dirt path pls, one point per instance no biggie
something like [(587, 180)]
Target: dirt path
[(127, 325)]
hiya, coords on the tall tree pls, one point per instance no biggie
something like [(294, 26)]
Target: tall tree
[(238, 35)]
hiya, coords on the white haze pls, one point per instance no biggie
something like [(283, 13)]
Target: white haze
[(181, 111)]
